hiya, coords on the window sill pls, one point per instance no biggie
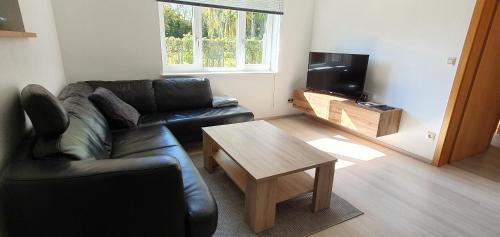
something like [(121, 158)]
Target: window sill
[(216, 73)]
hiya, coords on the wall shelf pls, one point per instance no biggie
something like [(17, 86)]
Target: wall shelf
[(16, 34)]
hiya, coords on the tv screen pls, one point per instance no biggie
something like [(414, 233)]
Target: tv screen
[(342, 74)]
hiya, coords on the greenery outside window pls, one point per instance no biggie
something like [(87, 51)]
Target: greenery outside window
[(201, 39)]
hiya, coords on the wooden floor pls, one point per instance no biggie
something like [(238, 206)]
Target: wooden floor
[(400, 195), (486, 165), (496, 141)]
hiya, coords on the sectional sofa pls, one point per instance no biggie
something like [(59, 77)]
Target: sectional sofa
[(77, 177)]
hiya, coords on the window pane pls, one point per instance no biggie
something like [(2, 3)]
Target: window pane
[(219, 37), (178, 33), (254, 38)]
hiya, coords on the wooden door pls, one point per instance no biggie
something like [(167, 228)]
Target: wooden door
[(483, 107), (474, 105)]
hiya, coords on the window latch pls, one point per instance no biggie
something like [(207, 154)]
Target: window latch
[(198, 42)]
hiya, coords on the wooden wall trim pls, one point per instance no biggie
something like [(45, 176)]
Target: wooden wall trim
[(475, 41)]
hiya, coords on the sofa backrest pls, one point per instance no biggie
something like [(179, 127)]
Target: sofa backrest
[(88, 135), (75, 100), (138, 93), (78, 142), (182, 93), (76, 128)]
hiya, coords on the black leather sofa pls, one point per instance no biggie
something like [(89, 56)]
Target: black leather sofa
[(88, 180)]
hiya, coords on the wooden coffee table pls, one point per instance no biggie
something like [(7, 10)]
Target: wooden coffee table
[(268, 165)]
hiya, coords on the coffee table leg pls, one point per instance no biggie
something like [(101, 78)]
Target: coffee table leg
[(260, 204), (323, 184), (209, 149)]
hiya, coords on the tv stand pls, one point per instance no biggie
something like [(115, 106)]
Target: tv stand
[(347, 113)]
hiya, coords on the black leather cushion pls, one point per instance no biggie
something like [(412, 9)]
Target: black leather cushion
[(112, 197), (78, 142), (182, 93), (138, 93), (78, 89), (201, 206), (158, 141), (127, 142), (48, 116), (76, 102), (118, 113), (82, 108), (186, 125)]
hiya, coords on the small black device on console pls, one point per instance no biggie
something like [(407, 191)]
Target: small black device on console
[(374, 105)]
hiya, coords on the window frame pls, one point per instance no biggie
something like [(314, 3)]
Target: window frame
[(270, 43)]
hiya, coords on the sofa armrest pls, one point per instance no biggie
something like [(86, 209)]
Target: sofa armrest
[(114, 197), (223, 101)]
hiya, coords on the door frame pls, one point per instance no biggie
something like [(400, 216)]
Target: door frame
[(472, 52)]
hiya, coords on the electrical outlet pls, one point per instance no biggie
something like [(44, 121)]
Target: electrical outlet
[(452, 61), (290, 100), (431, 135)]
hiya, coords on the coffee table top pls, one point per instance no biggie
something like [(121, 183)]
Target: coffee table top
[(265, 151)]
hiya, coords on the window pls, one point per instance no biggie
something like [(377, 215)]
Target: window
[(178, 34), (201, 39)]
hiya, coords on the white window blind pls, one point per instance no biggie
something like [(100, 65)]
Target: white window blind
[(264, 6)]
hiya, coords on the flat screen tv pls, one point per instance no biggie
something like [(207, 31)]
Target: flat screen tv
[(341, 74)]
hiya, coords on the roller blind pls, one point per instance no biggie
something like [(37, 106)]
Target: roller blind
[(264, 6)]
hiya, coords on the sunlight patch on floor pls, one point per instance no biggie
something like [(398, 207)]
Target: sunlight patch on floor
[(342, 147), (341, 137), (343, 163)]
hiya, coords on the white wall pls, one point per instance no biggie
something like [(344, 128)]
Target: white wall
[(24, 61), (408, 42), (120, 40), (109, 40)]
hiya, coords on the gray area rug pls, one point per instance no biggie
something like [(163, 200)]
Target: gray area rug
[(293, 217)]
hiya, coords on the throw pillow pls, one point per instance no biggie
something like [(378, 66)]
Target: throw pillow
[(118, 113)]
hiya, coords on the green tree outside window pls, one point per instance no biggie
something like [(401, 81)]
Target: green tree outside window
[(219, 31)]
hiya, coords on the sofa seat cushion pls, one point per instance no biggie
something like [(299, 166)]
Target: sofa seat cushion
[(186, 125), (201, 206), (128, 142)]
